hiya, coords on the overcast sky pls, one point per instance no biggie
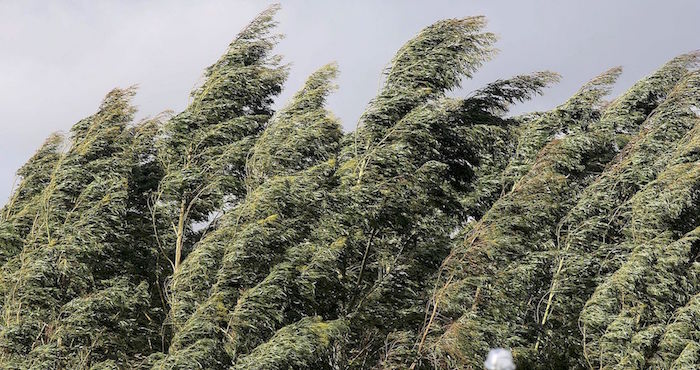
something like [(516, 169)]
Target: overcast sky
[(59, 58)]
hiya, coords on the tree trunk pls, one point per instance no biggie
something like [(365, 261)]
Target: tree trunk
[(180, 233)]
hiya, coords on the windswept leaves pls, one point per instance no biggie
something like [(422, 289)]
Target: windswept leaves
[(229, 236)]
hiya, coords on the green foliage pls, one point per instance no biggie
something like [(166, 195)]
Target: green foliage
[(299, 135), (519, 222), (613, 315), (424, 68), (495, 286), (10, 240), (679, 345), (307, 344), (85, 239), (203, 150), (276, 214), (603, 208), (35, 175), (112, 325), (229, 236)]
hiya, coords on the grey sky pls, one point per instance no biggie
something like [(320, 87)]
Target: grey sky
[(58, 59)]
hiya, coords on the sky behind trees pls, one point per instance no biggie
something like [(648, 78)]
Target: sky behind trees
[(59, 59)]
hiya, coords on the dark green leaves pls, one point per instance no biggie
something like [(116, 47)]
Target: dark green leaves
[(229, 236)]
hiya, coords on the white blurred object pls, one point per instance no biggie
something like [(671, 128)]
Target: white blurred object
[(695, 110), (499, 359)]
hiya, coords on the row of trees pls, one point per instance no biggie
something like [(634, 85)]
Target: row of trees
[(229, 236)]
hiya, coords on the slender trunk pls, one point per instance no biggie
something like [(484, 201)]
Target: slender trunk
[(364, 256), (180, 233)]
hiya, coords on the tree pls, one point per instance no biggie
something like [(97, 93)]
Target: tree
[(230, 236), (516, 222), (84, 232), (35, 175), (645, 263), (291, 193), (396, 204), (203, 149), (496, 280), (592, 229)]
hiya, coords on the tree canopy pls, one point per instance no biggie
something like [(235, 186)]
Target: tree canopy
[(234, 236)]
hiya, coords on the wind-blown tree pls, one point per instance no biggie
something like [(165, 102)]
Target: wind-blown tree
[(644, 290), (19, 217), (607, 330), (679, 346), (301, 135), (119, 323), (400, 258), (231, 237), (475, 304), (35, 176), (204, 148), (590, 233), (434, 61), (397, 203), (496, 307), (668, 278), (532, 133), (89, 242), (413, 79), (233, 291), (116, 318), (279, 212)]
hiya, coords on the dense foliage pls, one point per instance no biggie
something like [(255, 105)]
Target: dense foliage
[(230, 236)]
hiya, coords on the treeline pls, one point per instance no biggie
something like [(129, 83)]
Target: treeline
[(230, 236)]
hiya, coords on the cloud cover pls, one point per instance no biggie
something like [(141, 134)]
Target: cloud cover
[(59, 59)]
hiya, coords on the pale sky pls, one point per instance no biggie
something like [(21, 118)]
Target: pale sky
[(59, 58)]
